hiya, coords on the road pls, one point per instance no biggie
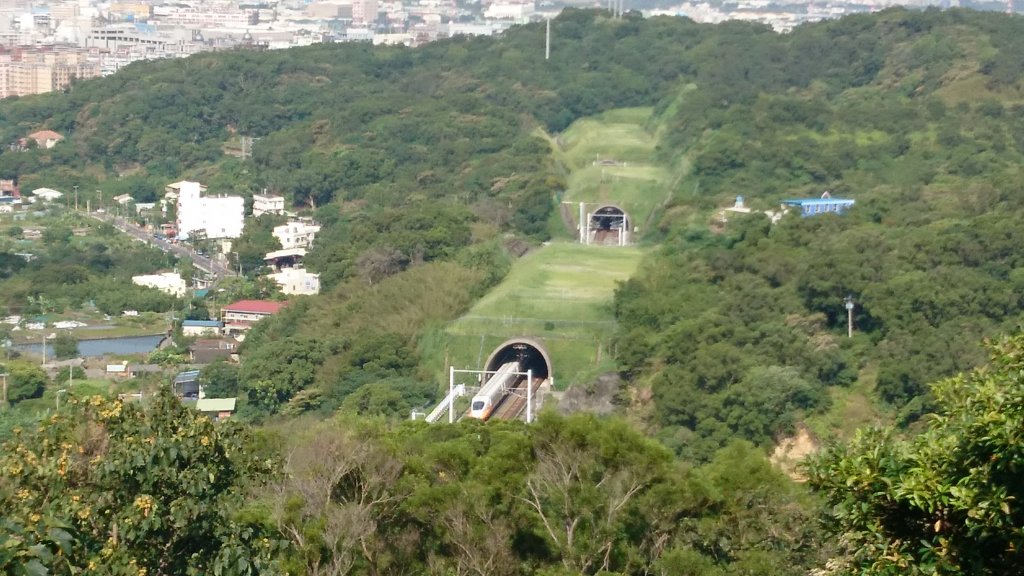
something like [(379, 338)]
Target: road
[(204, 263)]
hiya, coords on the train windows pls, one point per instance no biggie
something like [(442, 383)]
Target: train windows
[(478, 405)]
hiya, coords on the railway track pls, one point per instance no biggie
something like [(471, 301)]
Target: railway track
[(514, 402)]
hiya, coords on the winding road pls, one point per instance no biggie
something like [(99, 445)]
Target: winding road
[(204, 263)]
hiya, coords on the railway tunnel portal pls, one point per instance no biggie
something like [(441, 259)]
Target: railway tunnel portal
[(530, 354)]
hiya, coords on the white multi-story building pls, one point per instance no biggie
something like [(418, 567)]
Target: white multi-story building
[(297, 281), (217, 216), (170, 282), (509, 11), (296, 234), (224, 15), (267, 204)]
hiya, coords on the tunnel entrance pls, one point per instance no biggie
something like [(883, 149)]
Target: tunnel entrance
[(530, 354), (609, 225)]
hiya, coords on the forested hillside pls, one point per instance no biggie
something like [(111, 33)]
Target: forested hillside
[(739, 330), (412, 157), (424, 166)]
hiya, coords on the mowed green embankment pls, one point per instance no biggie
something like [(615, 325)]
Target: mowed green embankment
[(610, 159), (560, 294)]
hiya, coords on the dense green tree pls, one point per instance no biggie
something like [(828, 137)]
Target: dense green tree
[(65, 346), (942, 502), (219, 380), (126, 489), (24, 380)]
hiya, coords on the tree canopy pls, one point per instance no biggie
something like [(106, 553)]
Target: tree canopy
[(945, 501)]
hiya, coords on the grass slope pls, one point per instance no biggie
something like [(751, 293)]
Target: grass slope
[(561, 294), (610, 160)]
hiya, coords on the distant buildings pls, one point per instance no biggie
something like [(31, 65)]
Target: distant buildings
[(296, 234), (46, 194), (824, 205), (262, 204), (213, 216), (239, 316), (28, 71), (168, 282), (201, 327), (44, 138), (297, 281)]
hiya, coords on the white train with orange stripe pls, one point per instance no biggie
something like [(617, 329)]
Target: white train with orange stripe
[(494, 391)]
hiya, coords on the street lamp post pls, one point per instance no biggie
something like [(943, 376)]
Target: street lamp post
[(849, 315)]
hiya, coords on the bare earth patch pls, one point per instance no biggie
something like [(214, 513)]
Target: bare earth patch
[(791, 452)]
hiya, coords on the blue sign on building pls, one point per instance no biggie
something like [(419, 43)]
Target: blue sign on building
[(824, 205)]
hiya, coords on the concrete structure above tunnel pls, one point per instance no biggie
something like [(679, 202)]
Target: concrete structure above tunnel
[(529, 352), (608, 225)]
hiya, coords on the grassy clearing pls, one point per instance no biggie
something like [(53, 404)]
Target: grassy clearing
[(852, 407), (611, 160), (616, 135), (561, 294)]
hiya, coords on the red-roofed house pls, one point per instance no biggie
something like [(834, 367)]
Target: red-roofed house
[(240, 315), (8, 189), (45, 138)]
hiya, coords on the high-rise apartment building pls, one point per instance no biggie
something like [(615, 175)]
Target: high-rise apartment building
[(27, 72)]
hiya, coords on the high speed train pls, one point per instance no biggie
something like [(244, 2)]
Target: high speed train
[(493, 391)]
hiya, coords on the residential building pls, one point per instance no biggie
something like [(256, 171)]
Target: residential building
[(45, 138), (8, 189), (175, 188), (509, 11), (136, 370), (364, 11), (46, 194), (28, 71), (169, 282), (216, 408), (297, 281), (207, 17), (209, 350), (122, 199), (117, 370), (240, 315), (186, 385), (201, 327), (213, 216), (287, 258), (262, 204), (296, 234)]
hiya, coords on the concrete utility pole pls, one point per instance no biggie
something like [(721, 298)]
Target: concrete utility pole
[(76, 198), (547, 41), (849, 316), (4, 405), (583, 238)]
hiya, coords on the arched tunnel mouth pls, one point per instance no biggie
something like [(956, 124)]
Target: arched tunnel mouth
[(609, 218), (530, 354)]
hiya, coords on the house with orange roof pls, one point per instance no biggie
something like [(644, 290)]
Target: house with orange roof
[(45, 138)]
